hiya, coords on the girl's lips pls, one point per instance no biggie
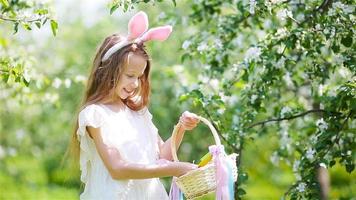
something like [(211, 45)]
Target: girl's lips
[(129, 92)]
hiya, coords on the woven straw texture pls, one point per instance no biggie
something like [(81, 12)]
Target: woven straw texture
[(201, 181)]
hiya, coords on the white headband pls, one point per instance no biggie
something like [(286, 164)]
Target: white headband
[(117, 47), (138, 33)]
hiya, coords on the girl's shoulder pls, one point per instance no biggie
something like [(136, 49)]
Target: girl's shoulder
[(92, 109), (92, 114)]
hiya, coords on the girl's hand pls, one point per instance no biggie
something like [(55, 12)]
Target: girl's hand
[(177, 168), (181, 168), (188, 120)]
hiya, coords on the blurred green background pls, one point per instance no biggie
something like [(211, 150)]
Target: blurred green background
[(37, 122)]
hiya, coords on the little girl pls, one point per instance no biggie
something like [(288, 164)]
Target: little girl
[(121, 153)]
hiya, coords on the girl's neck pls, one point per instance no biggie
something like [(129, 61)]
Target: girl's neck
[(115, 105)]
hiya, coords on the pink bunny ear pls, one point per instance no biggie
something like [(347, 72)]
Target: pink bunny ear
[(159, 33), (138, 25)]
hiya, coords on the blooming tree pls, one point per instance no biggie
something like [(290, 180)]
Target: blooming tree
[(277, 67)]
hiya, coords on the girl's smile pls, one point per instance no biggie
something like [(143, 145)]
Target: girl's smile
[(130, 79)]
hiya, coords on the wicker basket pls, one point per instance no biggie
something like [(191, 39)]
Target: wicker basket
[(200, 181)]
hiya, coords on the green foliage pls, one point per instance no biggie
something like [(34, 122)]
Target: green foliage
[(278, 61), (277, 79)]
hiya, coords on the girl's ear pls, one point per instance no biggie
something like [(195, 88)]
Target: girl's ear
[(159, 33), (138, 25)]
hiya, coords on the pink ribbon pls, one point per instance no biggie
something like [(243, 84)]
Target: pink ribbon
[(175, 193), (222, 173)]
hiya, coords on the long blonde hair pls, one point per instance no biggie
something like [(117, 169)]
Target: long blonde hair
[(104, 78)]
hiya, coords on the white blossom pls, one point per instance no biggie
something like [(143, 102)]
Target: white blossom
[(57, 83), (323, 165), (67, 83), (203, 79), (285, 110), (347, 9), (332, 92), (218, 44), (321, 89), (221, 111), (282, 32), (80, 78), (277, 1), (284, 13), (280, 63), (51, 97), (252, 53), (274, 158), (186, 44), (288, 80), (253, 98), (26, 75), (202, 47), (253, 4), (344, 72), (298, 176), (285, 141), (214, 83), (301, 187), (296, 165), (322, 125), (310, 154), (300, 17), (313, 139), (20, 134), (267, 24)]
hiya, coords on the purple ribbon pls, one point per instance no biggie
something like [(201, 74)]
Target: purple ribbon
[(222, 172), (175, 193)]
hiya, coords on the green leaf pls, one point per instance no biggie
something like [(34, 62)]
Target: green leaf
[(242, 178), (44, 21), (332, 163), (16, 27), (6, 77), (126, 6), (185, 56), (241, 192), (42, 11), (350, 167), (113, 8), (54, 27), (183, 97), (38, 24), (335, 48), (175, 3), (347, 41), (27, 26), (5, 3)]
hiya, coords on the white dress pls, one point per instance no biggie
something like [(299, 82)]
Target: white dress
[(134, 135)]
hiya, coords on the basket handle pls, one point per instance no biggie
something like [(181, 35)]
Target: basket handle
[(179, 126)]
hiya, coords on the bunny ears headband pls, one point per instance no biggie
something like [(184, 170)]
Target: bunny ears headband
[(138, 33)]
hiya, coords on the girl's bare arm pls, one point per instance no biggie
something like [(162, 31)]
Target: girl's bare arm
[(121, 169)]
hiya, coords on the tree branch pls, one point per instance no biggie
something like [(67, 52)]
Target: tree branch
[(286, 118), (20, 19)]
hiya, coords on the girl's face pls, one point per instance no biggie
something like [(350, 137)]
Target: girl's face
[(130, 78)]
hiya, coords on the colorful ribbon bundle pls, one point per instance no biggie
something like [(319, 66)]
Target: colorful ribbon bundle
[(224, 177)]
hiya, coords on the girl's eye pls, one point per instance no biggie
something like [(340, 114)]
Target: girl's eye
[(130, 76)]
